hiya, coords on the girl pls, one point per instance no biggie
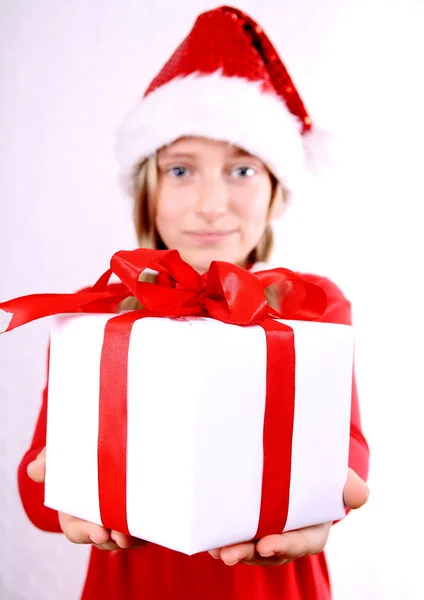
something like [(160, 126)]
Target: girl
[(210, 154)]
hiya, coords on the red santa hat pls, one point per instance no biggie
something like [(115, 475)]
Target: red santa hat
[(226, 82)]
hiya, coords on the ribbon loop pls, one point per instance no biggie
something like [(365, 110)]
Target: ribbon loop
[(302, 300), (234, 295)]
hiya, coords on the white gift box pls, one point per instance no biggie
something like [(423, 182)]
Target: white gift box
[(196, 402)]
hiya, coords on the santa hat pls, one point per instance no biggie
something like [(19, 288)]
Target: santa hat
[(226, 82)]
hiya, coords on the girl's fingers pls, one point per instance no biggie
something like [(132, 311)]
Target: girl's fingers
[(107, 546), (37, 468), (216, 553), (79, 531), (122, 540), (238, 553), (276, 549), (295, 544)]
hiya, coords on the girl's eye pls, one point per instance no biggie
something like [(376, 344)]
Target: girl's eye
[(178, 171), (243, 171)]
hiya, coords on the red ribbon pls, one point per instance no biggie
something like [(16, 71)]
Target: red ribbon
[(227, 293)]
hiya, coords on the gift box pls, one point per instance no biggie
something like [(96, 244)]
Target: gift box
[(214, 425)]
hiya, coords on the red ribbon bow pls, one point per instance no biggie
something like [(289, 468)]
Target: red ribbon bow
[(227, 293)]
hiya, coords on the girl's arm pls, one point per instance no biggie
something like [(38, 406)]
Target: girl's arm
[(32, 493), (339, 311)]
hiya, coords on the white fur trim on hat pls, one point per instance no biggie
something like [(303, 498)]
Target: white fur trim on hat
[(222, 108)]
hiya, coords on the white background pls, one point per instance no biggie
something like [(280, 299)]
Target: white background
[(68, 72)]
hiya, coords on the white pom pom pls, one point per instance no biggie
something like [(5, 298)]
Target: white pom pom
[(317, 145)]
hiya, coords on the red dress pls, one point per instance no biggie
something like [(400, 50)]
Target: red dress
[(155, 573)]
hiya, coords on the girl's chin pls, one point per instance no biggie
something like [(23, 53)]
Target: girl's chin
[(202, 261)]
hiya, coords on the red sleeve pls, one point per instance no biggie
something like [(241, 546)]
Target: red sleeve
[(339, 311), (32, 494)]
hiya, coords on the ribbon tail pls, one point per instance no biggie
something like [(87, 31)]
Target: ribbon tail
[(5, 320), (25, 309)]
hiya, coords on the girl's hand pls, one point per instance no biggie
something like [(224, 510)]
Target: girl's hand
[(79, 531), (281, 549)]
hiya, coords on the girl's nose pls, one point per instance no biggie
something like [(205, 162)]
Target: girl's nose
[(212, 201)]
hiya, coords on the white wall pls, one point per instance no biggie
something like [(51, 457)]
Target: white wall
[(68, 71)]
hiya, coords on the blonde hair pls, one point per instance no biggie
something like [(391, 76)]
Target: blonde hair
[(143, 189)]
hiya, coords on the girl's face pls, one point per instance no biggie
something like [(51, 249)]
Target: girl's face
[(213, 201)]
